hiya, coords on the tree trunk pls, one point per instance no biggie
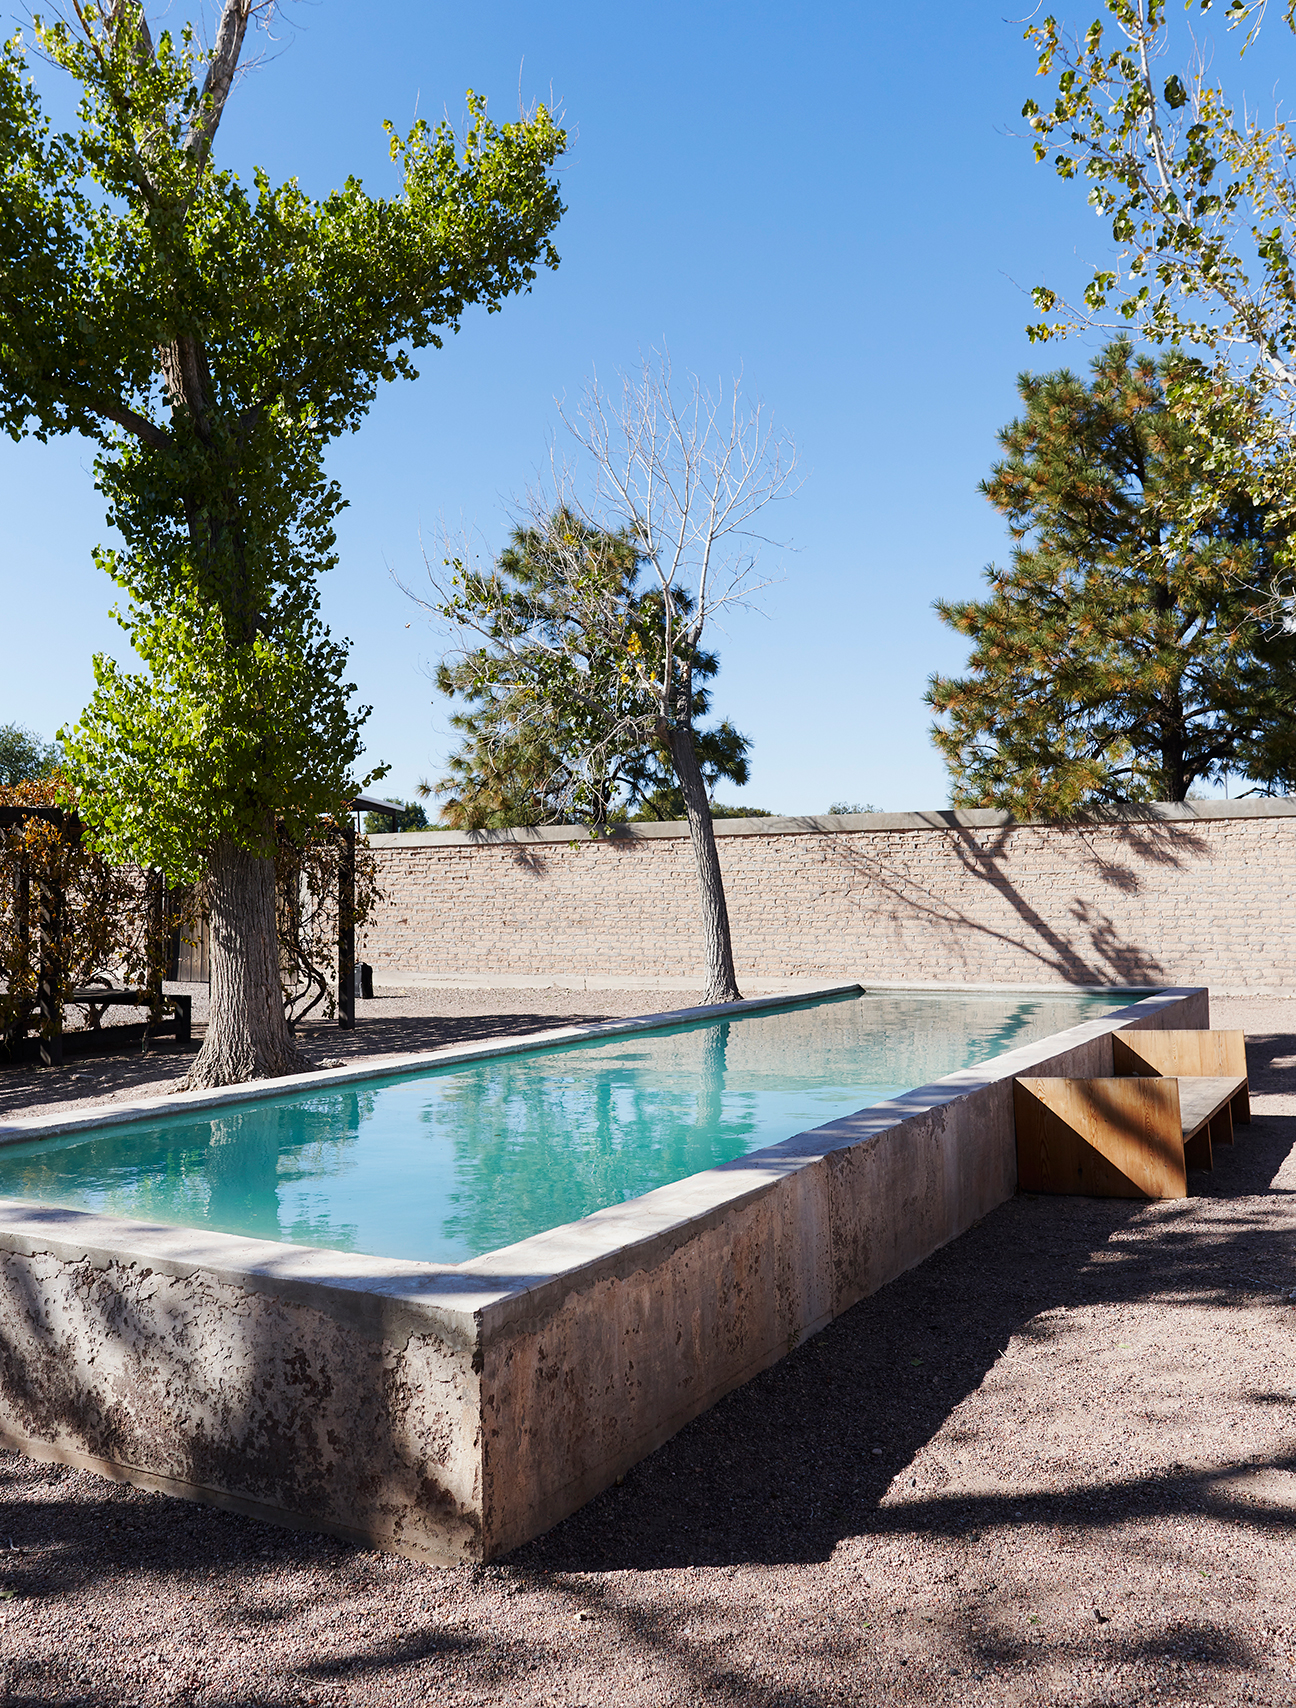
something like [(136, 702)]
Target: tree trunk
[(247, 1032), (1175, 782), (721, 985)]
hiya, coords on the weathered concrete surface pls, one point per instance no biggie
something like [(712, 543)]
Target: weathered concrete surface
[(347, 1404), (452, 1412), (610, 1334)]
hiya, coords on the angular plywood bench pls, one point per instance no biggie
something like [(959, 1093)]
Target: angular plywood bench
[(1177, 1095), (1187, 1055)]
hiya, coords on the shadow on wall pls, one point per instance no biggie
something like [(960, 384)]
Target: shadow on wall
[(982, 855)]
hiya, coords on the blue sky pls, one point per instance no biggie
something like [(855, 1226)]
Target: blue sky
[(829, 197)]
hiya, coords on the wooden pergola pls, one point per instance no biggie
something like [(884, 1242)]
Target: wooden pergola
[(50, 904), (95, 998)]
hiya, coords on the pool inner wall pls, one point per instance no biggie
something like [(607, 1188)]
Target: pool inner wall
[(451, 1413)]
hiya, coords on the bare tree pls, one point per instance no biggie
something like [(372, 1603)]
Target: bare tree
[(687, 477), (570, 659)]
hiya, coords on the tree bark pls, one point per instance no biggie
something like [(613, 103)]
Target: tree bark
[(721, 984), (247, 1031)]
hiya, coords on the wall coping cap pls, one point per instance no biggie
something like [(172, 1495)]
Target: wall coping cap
[(827, 824)]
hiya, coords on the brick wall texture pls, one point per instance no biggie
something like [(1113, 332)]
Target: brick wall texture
[(1203, 900)]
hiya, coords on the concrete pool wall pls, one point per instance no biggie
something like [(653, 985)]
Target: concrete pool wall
[(451, 1413)]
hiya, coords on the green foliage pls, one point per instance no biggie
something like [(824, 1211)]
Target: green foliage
[(1200, 203), (652, 790), (838, 808), (561, 720), (720, 810), (252, 742), (24, 757), (211, 339), (106, 925), (1113, 661), (412, 817)]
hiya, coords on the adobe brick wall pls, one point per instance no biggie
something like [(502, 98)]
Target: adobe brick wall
[(1201, 893)]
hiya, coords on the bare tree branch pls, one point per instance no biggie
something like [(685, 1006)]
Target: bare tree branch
[(220, 75), (685, 474)]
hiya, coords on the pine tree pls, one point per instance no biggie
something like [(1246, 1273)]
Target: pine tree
[(1111, 662), (557, 728)]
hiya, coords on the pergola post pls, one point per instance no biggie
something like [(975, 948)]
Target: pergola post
[(346, 930), (49, 1005), (157, 942)]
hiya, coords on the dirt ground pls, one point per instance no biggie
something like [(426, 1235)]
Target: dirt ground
[(1054, 1464)]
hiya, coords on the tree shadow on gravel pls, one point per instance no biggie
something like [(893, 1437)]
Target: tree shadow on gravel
[(154, 1072), (798, 1459), (418, 1646), (56, 1547), (398, 1034), (779, 1473), (92, 1078)]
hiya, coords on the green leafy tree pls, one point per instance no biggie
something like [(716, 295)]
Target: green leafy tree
[(1114, 660), (1200, 202), (24, 757), (534, 753), (412, 817), (210, 339)]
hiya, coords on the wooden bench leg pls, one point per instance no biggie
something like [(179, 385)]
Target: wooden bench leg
[(1242, 1107), (1197, 1150), (1221, 1127)]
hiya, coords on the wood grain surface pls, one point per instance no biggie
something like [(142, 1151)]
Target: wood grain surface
[(1101, 1138)]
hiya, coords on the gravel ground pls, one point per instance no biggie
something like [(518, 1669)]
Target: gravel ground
[(1054, 1464)]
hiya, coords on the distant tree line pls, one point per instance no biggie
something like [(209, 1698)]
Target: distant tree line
[(24, 756)]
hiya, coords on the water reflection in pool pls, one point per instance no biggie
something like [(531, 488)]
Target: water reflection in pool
[(447, 1164)]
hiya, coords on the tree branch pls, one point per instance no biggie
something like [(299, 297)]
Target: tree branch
[(117, 17), (220, 76), (146, 431)]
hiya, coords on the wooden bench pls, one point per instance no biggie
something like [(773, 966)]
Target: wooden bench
[(1187, 1055), (1135, 1135), (95, 998)]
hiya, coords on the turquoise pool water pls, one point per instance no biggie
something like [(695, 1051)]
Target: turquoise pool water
[(445, 1164)]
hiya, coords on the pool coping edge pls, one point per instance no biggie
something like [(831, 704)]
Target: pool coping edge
[(498, 1289)]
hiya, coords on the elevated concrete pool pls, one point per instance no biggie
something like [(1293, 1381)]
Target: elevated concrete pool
[(451, 1411)]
